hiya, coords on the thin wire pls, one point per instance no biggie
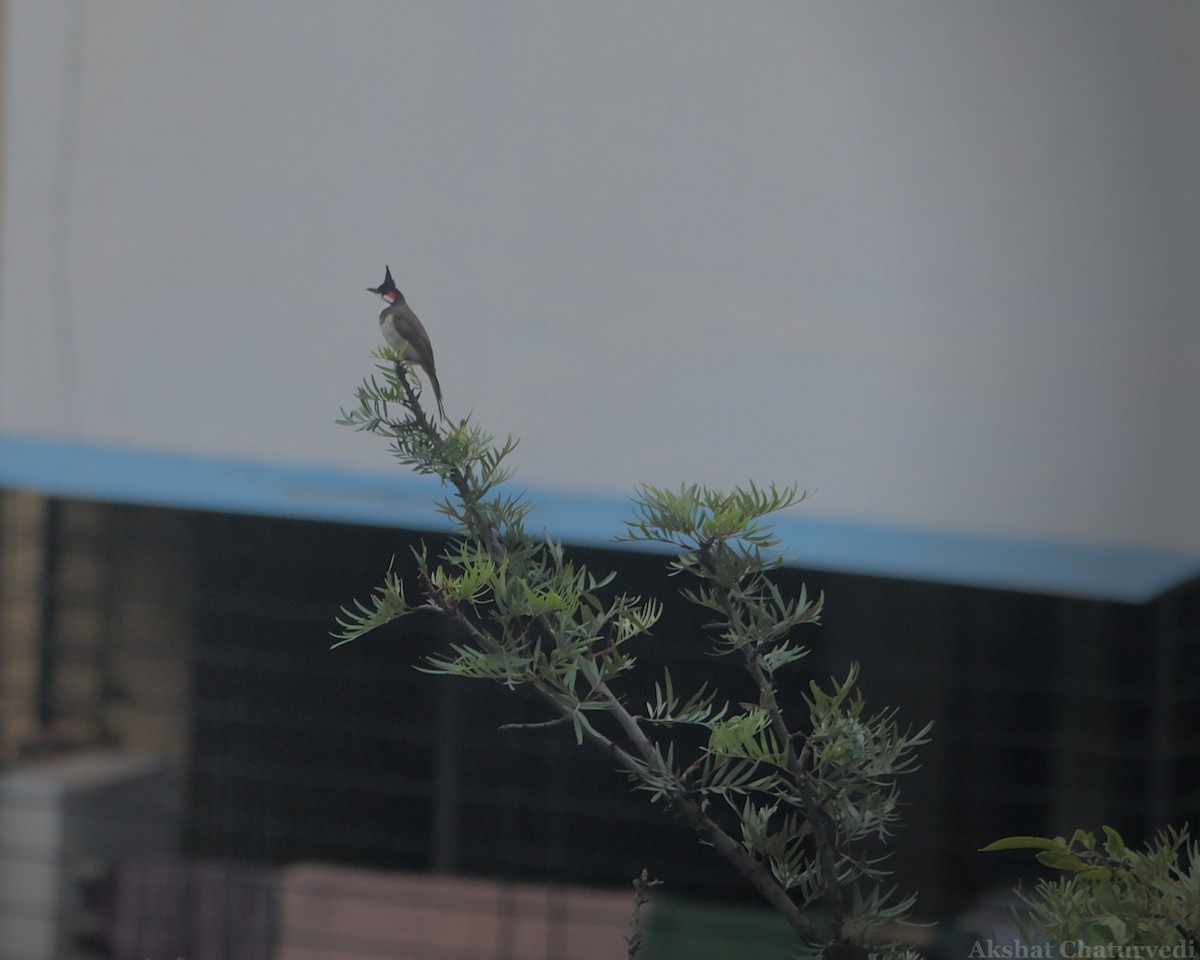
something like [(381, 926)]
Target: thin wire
[(62, 311)]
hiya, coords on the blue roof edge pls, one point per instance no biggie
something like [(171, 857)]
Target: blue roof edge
[(97, 472)]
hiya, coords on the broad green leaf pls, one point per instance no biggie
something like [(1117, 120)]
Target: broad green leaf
[(1024, 843), (1062, 861), (1114, 846)]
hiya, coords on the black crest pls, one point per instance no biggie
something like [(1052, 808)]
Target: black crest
[(388, 285)]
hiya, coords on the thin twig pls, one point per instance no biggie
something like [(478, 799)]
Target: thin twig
[(641, 897), (478, 523), (824, 830), (556, 722)]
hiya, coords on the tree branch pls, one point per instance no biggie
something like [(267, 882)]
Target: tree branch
[(685, 806), (634, 750), (823, 827)]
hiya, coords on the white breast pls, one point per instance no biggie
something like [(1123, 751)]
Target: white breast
[(390, 334)]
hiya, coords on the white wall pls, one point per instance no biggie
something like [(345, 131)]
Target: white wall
[(936, 260)]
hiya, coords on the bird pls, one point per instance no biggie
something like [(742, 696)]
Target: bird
[(406, 334)]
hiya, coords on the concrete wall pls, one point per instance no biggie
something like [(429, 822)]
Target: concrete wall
[(934, 259)]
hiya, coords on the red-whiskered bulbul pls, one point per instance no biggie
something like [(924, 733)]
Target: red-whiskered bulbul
[(405, 333)]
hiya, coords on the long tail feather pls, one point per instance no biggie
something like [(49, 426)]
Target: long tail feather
[(437, 392)]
